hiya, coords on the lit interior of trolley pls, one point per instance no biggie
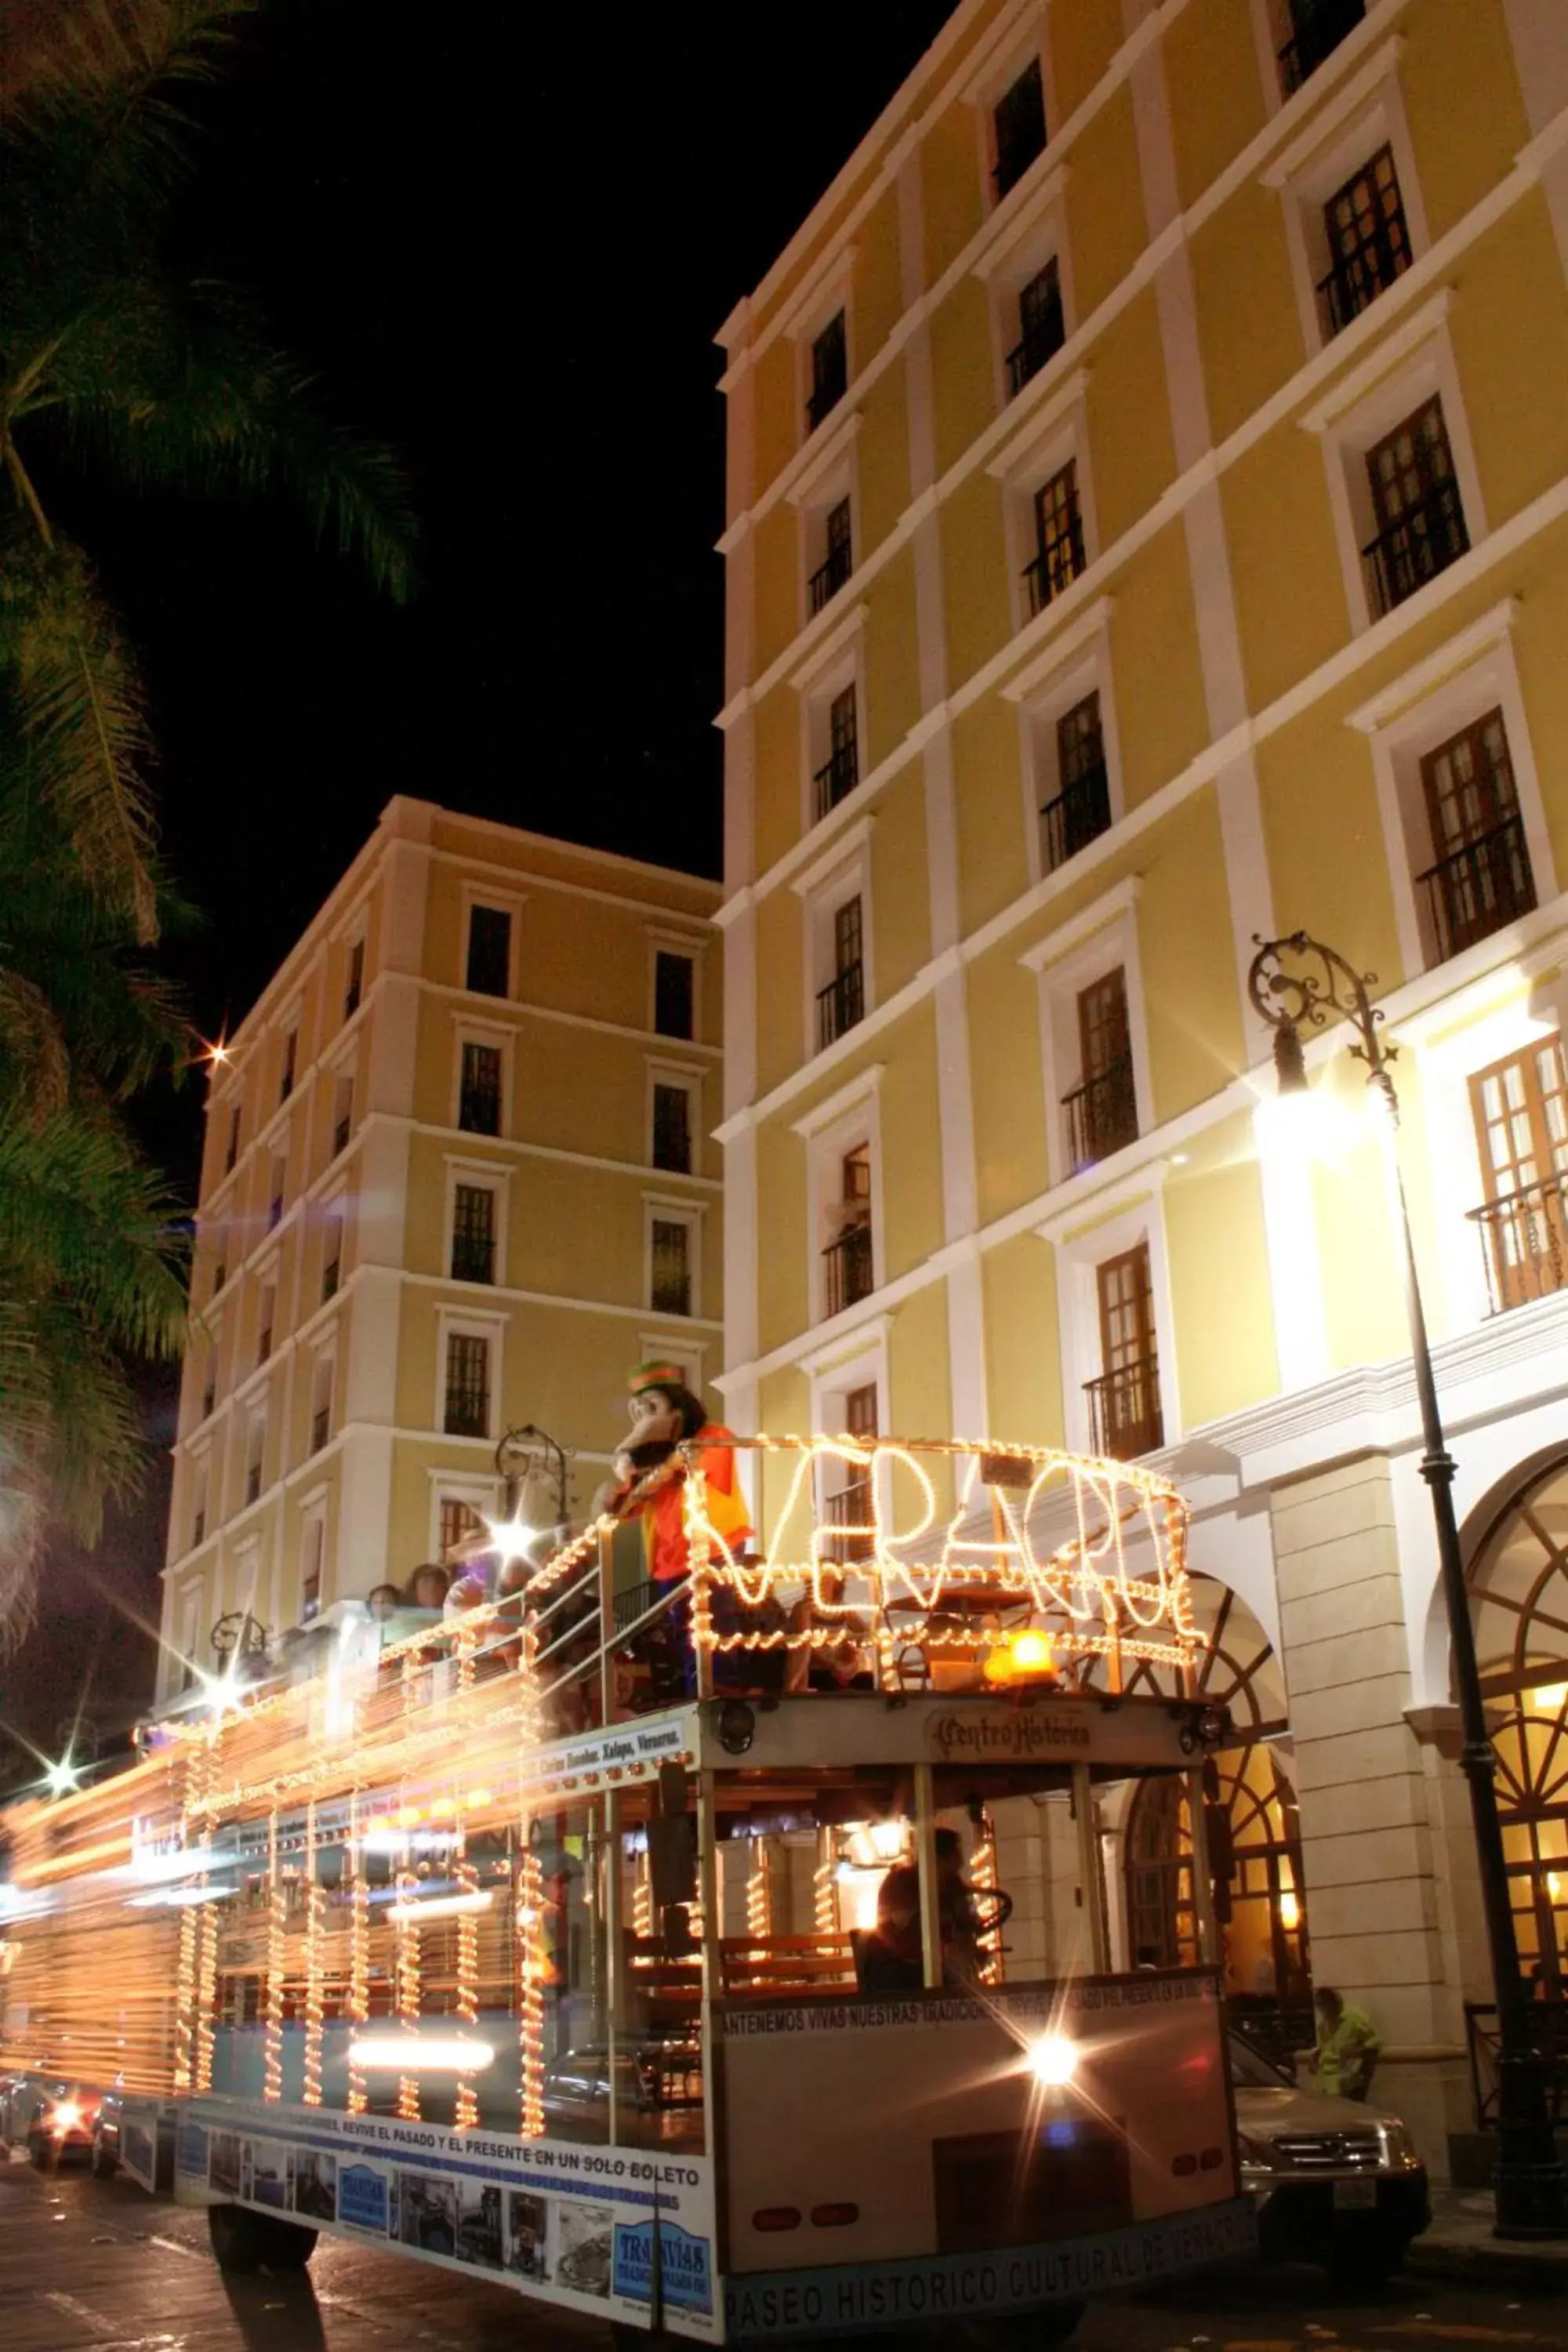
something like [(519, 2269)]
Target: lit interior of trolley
[(498, 1872)]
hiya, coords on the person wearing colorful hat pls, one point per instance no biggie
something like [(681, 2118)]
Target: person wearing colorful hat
[(651, 1473)]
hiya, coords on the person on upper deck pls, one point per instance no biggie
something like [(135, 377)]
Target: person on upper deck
[(650, 1481)]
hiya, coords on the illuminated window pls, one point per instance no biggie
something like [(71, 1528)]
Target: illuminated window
[(1415, 505), (1124, 1402), (1520, 1108)]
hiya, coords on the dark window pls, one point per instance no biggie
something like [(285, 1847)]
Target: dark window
[(468, 1385), (473, 1234), (310, 1596), (199, 1525), (280, 1178), (1520, 1108), (478, 1096), (1102, 1109), (331, 1258), (673, 1128), (1042, 331), (1058, 539), (1369, 244), (830, 575), (233, 1152), (1020, 125), (209, 1393), (253, 1466), (674, 994), (1080, 812), (220, 1275), (1124, 1402), (842, 1002), (671, 1286), (320, 1427), (264, 1329), (489, 950), (1317, 28), (829, 372), (835, 781), (1481, 879), (355, 988), (848, 1269), (291, 1057), (1415, 499), (459, 1520)]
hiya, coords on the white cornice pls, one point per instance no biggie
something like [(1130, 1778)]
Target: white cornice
[(828, 648), (850, 841), (1019, 447), (1455, 654), (1354, 92), (1007, 237), (823, 456), (833, 1107), (1418, 328), (1116, 902), (1090, 623)]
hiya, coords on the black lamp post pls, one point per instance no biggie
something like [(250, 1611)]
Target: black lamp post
[(1295, 983)]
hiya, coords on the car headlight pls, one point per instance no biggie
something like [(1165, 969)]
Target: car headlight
[(67, 2115), (1398, 2148), (1257, 2156)]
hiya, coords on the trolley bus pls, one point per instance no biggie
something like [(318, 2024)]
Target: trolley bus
[(679, 1956)]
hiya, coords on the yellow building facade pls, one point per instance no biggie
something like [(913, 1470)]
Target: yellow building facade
[(1148, 532), (457, 1178)]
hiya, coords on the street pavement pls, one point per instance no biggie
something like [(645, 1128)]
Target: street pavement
[(96, 2266)]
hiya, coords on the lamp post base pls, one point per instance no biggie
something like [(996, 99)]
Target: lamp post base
[(1530, 2201)]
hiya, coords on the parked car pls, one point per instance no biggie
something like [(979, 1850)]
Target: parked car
[(1334, 2182), (51, 2118)]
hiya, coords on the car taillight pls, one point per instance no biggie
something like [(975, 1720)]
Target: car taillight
[(834, 2217), (776, 2217)]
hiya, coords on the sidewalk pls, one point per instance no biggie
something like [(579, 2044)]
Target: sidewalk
[(1460, 2245)]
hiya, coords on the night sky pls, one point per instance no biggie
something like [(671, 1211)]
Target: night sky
[(506, 235)]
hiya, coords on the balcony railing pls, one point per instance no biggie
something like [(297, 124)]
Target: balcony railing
[(1427, 538), (1124, 1410), (1042, 340), (1102, 1114), (1321, 26), (467, 1413), (1475, 890), (852, 1510), (1356, 279), (839, 779), (478, 1111), (1525, 1236), (841, 1003), (1077, 816), (330, 1274), (827, 580), (847, 1269), (1055, 568), (473, 1257), (321, 1428)]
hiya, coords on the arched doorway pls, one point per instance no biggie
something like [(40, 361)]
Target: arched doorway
[(1254, 1832), (1519, 1606)]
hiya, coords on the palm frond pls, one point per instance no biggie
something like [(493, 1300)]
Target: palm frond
[(35, 1065), (81, 1218)]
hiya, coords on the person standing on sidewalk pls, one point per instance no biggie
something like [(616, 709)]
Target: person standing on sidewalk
[(1347, 2047)]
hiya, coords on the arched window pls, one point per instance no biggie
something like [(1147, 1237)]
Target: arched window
[(1519, 1603)]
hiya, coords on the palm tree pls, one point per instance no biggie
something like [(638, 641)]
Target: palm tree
[(113, 361)]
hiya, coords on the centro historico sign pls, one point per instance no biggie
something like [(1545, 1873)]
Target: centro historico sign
[(1010, 2278), (1050, 1730)]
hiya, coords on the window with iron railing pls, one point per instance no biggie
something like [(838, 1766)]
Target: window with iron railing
[(1481, 877), (1058, 539), (488, 972), (829, 372), (331, 1258), (846, 1266), (342, 1113), (209, 1397), (253, 1480), (1369, 243), (842, 1003), (355, 988), (669, 1268), (1080, 812), (320, 1427), (831, 574), (478, 1092), (264, 1342), (1415, 499), (1125, 1413), (1042, 331), (1520, 1111), (473, 1234), (199, 1527), (674, 994), (673, 1128), (837, 778), (1102, 1108), (1018, 120), (220, 1275), (459, 1521), (468, 1411), (290, 1055), (1317, 28), (232, 1155)]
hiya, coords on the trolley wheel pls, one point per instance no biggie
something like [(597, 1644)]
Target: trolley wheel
[(243, 2241)]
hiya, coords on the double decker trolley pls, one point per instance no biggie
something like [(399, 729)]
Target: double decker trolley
[(682, 1955)]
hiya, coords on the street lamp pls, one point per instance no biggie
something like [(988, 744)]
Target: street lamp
[(1302, 992)]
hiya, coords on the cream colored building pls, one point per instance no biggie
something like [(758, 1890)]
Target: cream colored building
[(1147, 528), (457, 1178)]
